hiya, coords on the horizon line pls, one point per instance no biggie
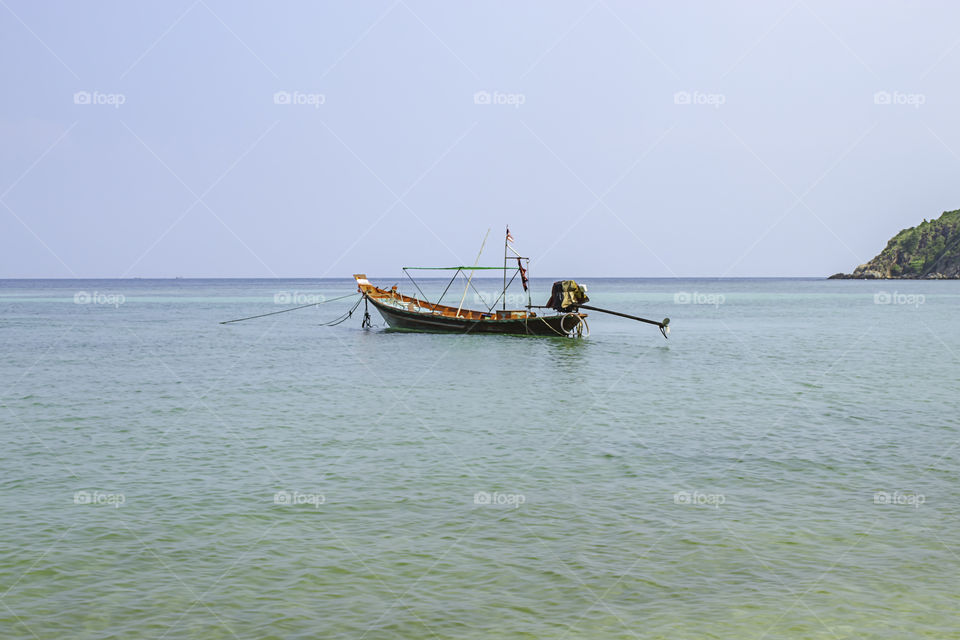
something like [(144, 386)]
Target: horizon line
[(701, 277)]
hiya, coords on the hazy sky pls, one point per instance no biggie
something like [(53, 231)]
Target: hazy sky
[(616, 138)]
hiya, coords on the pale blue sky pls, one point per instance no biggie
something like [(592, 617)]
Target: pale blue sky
[(782, 165)]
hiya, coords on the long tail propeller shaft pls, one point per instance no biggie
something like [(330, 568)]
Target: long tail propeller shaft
[(664, 325)]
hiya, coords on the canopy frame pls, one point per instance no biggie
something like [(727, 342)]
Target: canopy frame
[(459, 271), (462, 268)]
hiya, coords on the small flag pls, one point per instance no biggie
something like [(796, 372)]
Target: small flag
[(523, 275), (509, 237)]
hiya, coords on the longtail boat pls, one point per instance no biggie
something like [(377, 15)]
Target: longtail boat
[(405, 312), (419, 314)]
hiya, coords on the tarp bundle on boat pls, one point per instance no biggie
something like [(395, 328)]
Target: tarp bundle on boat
[(567, 295)]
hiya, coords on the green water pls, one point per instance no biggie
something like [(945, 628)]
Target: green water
[(785, 466)]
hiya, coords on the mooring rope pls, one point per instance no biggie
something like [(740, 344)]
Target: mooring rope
[(273, 313), (342, 318), (581, 323), (562, 335), (366, 323)]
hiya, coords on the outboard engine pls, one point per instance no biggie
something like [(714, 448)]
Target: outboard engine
[(567, 296)]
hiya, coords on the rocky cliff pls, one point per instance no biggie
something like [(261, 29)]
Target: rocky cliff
[(931, 250)]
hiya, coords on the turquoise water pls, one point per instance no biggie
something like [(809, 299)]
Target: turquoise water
[(785, 466)]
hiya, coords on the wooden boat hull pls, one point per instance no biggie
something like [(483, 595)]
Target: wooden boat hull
[(556, 325)]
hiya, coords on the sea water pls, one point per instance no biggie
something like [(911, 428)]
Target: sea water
[(784, 466)]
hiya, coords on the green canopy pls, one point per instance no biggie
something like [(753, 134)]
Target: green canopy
[(464, 268)]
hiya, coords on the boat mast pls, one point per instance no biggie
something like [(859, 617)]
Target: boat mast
[(505, 268), (475, 263)]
